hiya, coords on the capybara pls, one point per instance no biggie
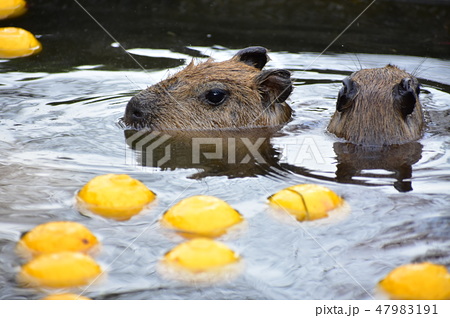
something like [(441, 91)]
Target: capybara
[(377, 107), (214, 95)]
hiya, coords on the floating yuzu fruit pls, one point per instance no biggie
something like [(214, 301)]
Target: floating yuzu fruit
[(200, 254), (423, 281), (58, 236), (12, 8), (201, 215), (57, 270), (116, 196), (65, 297), (16, 42), (306, 201)]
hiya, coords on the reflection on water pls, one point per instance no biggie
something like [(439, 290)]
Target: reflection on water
[(252, 153), (230, 153), (59, 131), (354, 162)]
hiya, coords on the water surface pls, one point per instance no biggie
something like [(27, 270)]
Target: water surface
[(59, 129)]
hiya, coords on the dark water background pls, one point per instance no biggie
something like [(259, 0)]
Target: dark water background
[(59, 113)]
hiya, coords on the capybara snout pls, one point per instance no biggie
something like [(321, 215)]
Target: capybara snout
[(378, 107), (212, 95)]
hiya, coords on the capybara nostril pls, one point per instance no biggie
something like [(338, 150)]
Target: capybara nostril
[(135, 113)]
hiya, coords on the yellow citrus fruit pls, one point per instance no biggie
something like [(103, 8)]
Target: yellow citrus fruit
[(202, 215), (58, 236), (116, 196), (65, 297), (306, 201), (16, 42), (12, 8), (423, 281), (57, 270), (200, 254)]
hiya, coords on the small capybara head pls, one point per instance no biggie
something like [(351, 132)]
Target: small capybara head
[(210, 95), (377, 107)]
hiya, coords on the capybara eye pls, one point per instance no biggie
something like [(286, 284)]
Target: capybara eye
[(216, 96)]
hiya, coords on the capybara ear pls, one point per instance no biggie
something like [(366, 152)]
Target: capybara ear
[(346, 94), (274, 85), (255, 56), (404, 96)]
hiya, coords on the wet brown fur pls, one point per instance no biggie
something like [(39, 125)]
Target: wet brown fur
[(178, 102), (373, 116)]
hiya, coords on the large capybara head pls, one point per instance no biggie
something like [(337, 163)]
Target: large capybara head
[(211, 95), (377, 107)]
